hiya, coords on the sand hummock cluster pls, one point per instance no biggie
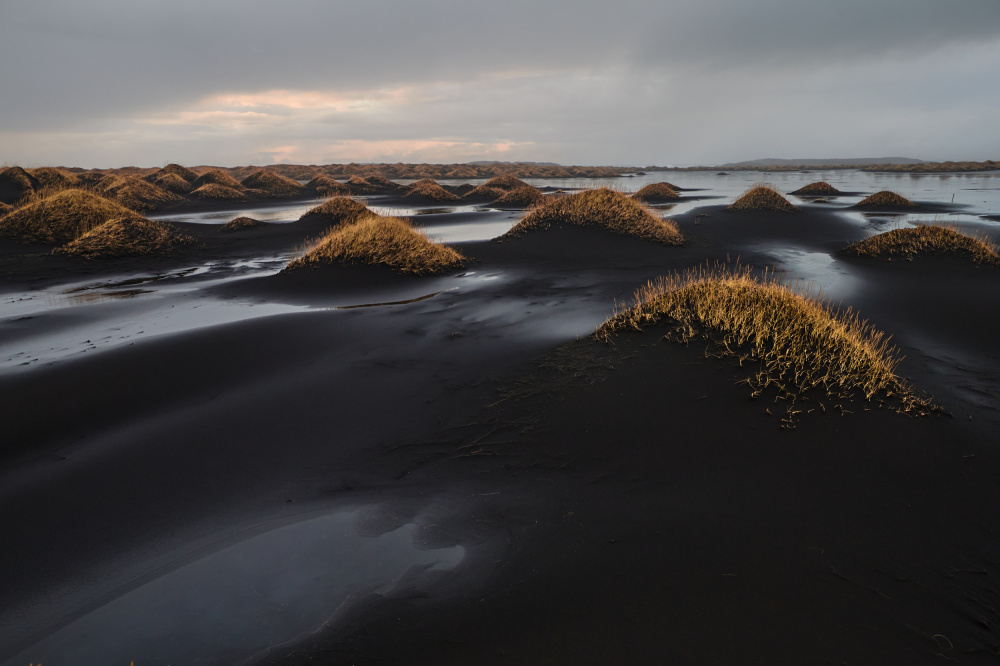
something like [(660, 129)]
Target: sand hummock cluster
[(215, 191), (657, 192), (601, 209), (127, 237), (495, 188), (524, 196), (374, 240), (762, 197), (136, 193), (61, 217), (885, 199), (54, 179), (338, 210), (428, 190), (926, 240), (216, 177), (325, 186), (800, 342), (819, 189), (241, 223), (171, 182), (272, 184)]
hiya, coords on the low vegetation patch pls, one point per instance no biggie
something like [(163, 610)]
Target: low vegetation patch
[(603, 209), (495, 188), (926, 240), (214, 191), (657, 192), (339, 210), (520, 197), (428, 190), (241, 223), (800, 343), (821, 188), (171, 182), (762, 197), (272, 184), (216, 177), (380, 241), (177, 170), (885, 199), (137, 194), (325, 186), (16, 184), (55, 179), (61, 217), (127, 237)]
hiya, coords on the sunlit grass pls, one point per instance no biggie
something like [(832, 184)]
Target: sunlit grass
[(657, 192), (925, 240), (61, 217), (762, 197), (127, 237), (885, 199)]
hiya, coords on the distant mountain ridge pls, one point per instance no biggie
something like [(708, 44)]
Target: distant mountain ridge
[(857, 161)]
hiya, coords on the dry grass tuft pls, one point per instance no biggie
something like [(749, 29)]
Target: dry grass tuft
[(216, 177), (926, 240), (657, 192), (521, 197), (171, 182), (604, 209), (127, 237), (214, 191), (885, 199), (821, 188), (339, 210), (241, 223), (61, 217), (800, 343), (762, 197), (136, 193), (274, 185), (381, 241), (428, 190)]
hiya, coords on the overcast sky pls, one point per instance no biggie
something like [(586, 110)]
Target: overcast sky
[(104, 83)]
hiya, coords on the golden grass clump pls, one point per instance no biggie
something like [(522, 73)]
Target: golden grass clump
[(821, 188), (885, 199), (603, 209), (52, 178), (484, 193), (338, 210), (326, 186), (800, 342), (16, 184), (177, 170), (495, 188), (217, 177), (657, 192), (762, 197), (520, 197), (241, 223), (926, 240), (127, 237), (370, 184), (272, 184), (214, 191), (428, 190), (61, 217), (171, 182), (136, 193), (381, 241)]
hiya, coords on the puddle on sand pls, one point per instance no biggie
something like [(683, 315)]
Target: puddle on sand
[(465, 233), (232, 605), (831, 277)]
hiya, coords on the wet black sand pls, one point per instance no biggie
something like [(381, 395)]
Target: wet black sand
[(635, 506)]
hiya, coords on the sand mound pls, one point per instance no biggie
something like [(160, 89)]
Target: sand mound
[(339, 210), (762, 197), (483, 193), (241, 223), (325, 186), (55, 179), (171, 182), (127, 237), (370, 184), (926, 240), (16, 184), (657, 192), (428, 190), (61, 217), (521, 197), (604, 209), (214, 191), (820, 188), (496, 187), (272, 184), (216, 177), (885, 199), (136, 193), (380, 241), (800, 342)]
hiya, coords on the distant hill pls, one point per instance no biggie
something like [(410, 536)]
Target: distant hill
[(855, 161), (487, 162)]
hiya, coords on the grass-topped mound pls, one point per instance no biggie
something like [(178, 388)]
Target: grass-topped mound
[(273, 184), (325, 186), (52, 178), (656, 192), (127, 237), (495, 188), (171, 182), (800, 343), (370, 184), (16, 184), (216, 192), (762, 197), (241, 223), (380, 241), (137, 194), (520, 197), (216, 177), (885, 199), (61, 217), (177, 170), (923, 241), (818, 189), (338, 210), (601, 209), (428, 190)]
